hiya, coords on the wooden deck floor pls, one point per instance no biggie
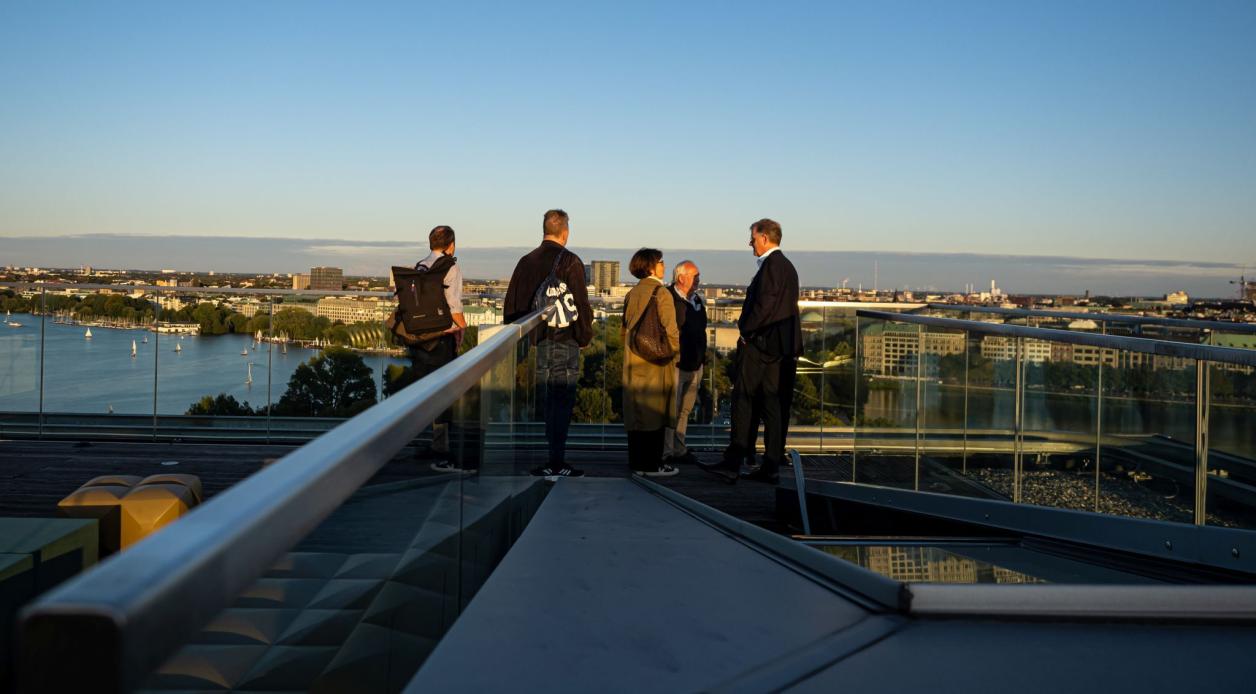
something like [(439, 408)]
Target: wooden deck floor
[(35, 475)]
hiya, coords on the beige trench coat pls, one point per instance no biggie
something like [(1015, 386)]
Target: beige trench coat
[(650, 389)]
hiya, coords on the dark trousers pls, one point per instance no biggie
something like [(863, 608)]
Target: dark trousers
[(645, 449), (557, 373), (424, 362), (763, 391)]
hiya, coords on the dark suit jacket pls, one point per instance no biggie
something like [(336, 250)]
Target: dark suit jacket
[(769, 317)]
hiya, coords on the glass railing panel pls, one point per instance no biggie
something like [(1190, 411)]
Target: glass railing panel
[(217, 370), (839, 391), (885, 437), (1060, 448), (359, 603), (940, 459), (1148, 415), (22, 338), (807, 412), (99, 356), (1231, 440), (988, 440)]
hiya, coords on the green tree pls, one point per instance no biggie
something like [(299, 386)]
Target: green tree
[(593, 405), (336, 383), (222, 405)]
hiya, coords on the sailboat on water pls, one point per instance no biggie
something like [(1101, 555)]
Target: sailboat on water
[(133, 348), (145, 339), (249, 381), (8, 320), (87, 335), (178, 347)]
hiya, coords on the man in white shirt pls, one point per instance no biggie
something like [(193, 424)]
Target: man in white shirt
[(429, 356)]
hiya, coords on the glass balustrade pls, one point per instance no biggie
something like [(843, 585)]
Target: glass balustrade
[(22, 340), (1092, 424), (361, 600), (1231, 444)]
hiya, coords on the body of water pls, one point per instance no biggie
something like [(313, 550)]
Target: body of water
[(90, 376)]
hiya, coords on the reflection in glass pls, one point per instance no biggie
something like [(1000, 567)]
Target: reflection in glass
[(915, 564)]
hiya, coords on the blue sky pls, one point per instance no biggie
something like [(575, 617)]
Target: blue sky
[(1116, 129)]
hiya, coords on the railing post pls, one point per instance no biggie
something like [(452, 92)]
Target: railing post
[(1103, 327), (1203, 394), (43, 317), (964, 458), (1018, 413), (854, 406), (270, 328), (800, 482), (920, 355), (824, 320), (156, 351)]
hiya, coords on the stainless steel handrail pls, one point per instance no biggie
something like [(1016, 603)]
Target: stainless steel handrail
[(1103, 316), (1146, 345), (123, 618), (61, 286)]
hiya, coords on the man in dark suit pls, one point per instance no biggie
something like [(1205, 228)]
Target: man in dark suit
[(767, 359)]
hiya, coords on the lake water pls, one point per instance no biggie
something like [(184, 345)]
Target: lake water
[(90, 376)]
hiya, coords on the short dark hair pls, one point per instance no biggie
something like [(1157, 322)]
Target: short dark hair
[(768, 228), (440, 238), (643, 261), (555, 223)]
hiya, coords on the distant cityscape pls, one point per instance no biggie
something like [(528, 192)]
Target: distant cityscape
[(886, 351)]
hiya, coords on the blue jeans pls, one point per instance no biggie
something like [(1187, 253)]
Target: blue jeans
[(557, 373)]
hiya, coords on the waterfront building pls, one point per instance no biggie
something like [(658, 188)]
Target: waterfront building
[(892, 350), (1001, 348), (354, 310)]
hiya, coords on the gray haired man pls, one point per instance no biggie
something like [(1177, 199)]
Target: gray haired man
[(691, 318)]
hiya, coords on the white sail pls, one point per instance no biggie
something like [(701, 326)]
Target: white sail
[(178, 347), (249, 380), (88, 334), (133, 347)]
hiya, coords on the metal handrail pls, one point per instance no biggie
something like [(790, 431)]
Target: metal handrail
[(1146, 345), (1192, 323), (123, 618), (60, 286)]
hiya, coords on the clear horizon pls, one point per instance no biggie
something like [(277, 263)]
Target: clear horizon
[(1116, 131)]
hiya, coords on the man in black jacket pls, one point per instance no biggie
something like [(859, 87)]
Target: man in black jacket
[(692, 320), (767, 358), (560, 340)]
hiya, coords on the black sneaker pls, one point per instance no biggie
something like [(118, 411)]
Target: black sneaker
[(687, 459), (723, 470), (543, 471)]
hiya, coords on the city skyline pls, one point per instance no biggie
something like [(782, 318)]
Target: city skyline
[(1119, 130), (1056, 274)]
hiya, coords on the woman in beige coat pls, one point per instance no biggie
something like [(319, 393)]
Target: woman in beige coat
[(649, 388)]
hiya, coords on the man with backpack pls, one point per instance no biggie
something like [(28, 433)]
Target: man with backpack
[(431, 310), (551, 275)]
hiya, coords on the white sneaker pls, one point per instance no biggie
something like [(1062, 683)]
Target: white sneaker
[(663, 471)]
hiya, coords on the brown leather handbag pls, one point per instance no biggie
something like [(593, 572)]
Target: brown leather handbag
[(648, 337)]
